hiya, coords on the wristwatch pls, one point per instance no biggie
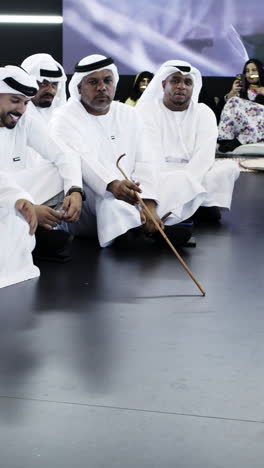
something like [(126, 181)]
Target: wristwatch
[(79, 190)]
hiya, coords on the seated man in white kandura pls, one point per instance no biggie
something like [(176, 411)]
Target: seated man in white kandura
[(18, 222), (101, 130), (62, 168), (51, 80), (181, 135)]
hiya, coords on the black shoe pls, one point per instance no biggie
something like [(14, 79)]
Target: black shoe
[(179, 234), (226, 146), (207, 215), (52, 245), (134, 239)]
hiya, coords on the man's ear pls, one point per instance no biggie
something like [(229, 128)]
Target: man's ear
[(79, 87), (163, 83)]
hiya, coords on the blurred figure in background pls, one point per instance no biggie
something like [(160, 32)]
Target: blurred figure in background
[(141, 82)]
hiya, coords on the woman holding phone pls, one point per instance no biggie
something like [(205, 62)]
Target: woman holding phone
[(242, 118)]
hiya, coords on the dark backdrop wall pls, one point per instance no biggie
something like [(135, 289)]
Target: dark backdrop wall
[(17, 41)]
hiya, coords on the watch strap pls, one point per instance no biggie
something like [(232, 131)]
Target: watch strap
[(79, 190)]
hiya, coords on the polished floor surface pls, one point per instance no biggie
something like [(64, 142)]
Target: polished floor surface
[(116, 360)]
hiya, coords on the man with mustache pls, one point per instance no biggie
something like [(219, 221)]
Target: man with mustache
[(101, 129), (181, 135), (61, 171), (51, 80)]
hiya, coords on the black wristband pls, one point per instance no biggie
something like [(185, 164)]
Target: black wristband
[(79, 190)]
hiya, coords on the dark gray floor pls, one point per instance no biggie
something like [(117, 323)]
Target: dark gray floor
[(116, 360)]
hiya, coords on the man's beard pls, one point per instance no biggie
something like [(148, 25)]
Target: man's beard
[(9, 126), (97, 106), (45, 104), (101, 107)]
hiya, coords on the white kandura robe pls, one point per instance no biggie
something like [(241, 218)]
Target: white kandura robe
[(182, 145), (37, 113), (60, 169), (16, 244), (44, 112), (100, 140)]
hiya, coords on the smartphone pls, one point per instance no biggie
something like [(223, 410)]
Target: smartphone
[(242, 79)]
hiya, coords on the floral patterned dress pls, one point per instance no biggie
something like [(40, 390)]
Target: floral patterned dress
[(242, 119)]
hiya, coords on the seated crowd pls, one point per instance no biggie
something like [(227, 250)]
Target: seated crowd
[(58, 158)]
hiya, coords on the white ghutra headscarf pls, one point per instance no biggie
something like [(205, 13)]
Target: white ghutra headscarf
[(86, 66), (155, 90), (44, 67), (15, 80)]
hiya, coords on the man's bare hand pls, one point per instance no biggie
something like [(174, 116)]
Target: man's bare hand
[(125, 190), (149, 225), (27, 210), (71, 208), (47, 217)]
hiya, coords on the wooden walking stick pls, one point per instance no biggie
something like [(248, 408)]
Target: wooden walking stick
[(161, 231)]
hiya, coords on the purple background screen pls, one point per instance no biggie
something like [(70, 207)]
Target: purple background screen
[(216, 36)]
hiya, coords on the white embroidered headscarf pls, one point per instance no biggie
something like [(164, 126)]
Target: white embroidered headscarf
[(14, 80), (93, 63), (155, 90), (44, 67)]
